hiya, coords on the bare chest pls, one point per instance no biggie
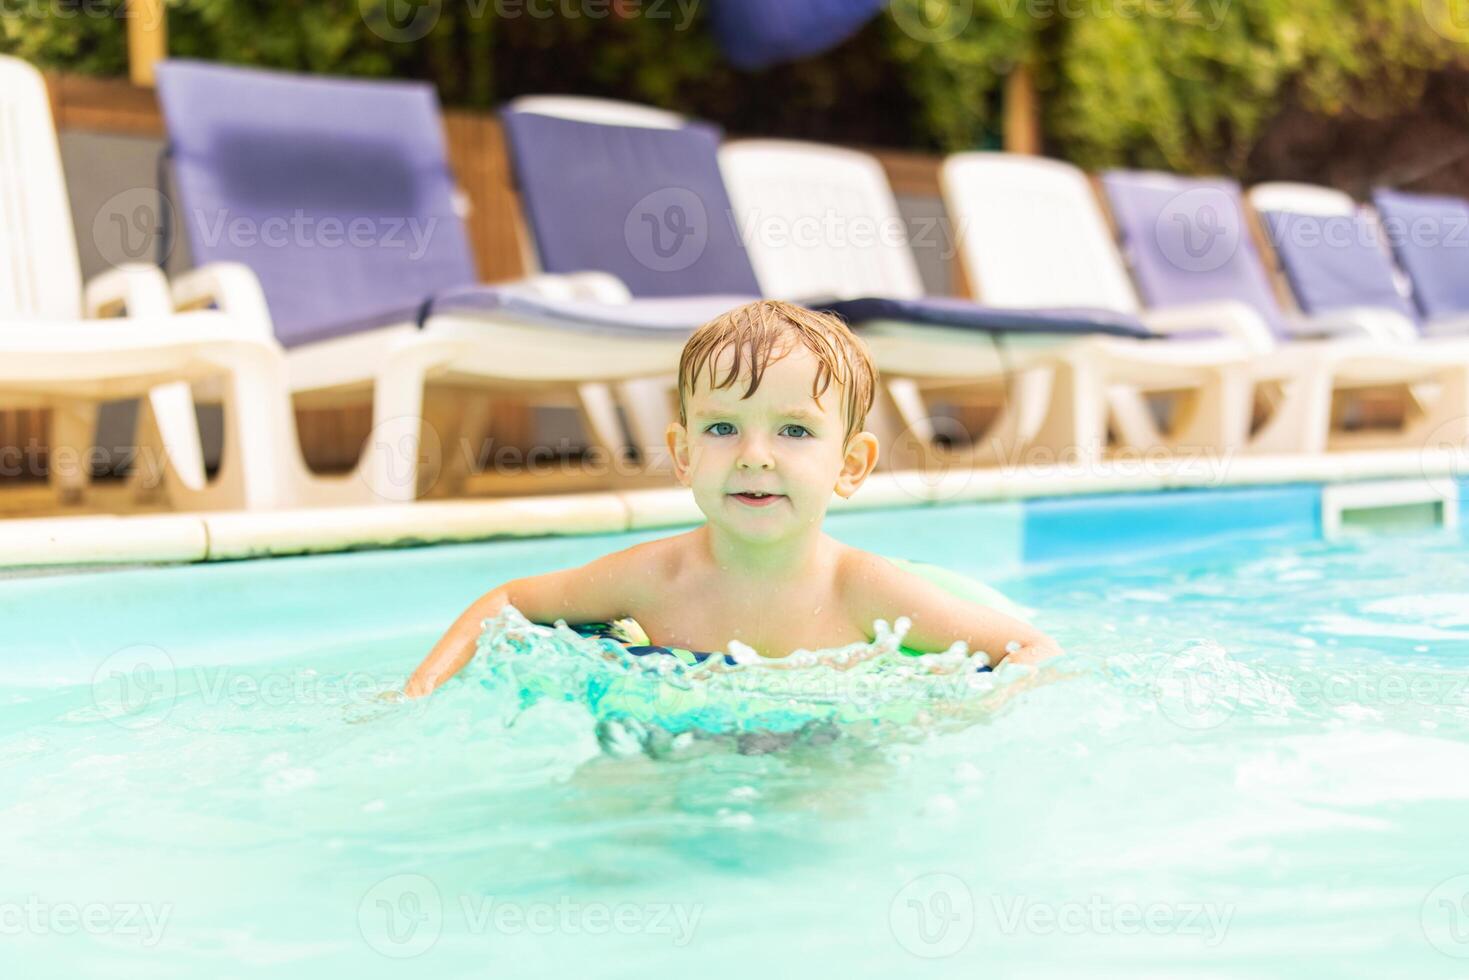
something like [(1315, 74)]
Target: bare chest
[(772, 625)]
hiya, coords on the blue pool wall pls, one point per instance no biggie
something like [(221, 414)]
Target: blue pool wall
[(1095, 528), (58, 626)]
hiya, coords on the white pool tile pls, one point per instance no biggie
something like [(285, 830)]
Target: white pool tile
[(336, 529), (102, 540)]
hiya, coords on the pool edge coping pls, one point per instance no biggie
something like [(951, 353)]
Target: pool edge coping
[(90, 540)]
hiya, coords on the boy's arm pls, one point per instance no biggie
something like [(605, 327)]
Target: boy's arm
[(878, 589), (594, 593)]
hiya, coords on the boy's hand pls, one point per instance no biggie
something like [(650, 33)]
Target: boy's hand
[(598, 592), (1032, 654), (417, 687)]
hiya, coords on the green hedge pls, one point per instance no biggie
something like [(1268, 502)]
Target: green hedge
[(1184, 84)]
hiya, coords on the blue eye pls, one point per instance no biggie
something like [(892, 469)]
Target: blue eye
[(795, 431), (721, 429)]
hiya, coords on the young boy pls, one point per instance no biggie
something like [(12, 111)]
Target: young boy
[(772, 400)]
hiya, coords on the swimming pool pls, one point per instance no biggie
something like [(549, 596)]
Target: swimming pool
[(1260, 767)]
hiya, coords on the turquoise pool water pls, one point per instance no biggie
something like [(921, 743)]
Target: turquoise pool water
[(1258, 765)]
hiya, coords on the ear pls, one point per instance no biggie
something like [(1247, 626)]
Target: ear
[(678, 451), (858, 463)]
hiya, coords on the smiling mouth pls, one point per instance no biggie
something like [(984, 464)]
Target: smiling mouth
[(758, 499)]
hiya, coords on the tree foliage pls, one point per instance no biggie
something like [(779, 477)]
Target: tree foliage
[(1181, 84)]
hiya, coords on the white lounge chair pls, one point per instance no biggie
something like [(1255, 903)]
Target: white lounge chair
[(1031, 233), (597, 179), (381, 318), (64, 348), (1058, 397)]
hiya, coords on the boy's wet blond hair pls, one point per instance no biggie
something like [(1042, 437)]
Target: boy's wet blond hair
[(766, 331)]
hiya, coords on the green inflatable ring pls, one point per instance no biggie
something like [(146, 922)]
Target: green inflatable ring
[(788, 700), (950, 581)]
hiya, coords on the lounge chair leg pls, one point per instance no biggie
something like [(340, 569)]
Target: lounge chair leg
[(1302, 423), (913, 441), (1020, 418), (148, 470), (1446, 425), (599, 415), (912, 410), (1133, 417), (266, 469), (649, 406), (400, 444), (171, 409), (1219, 418), (261, 466), (168, 462), (463, 427), (1075, 426), (73, 433)]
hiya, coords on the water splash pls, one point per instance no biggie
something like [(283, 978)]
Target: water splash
[(656, 703)]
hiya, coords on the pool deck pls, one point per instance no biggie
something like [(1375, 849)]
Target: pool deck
[(194, 537)]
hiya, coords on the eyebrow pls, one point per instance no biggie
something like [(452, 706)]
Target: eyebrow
[(804, 415)]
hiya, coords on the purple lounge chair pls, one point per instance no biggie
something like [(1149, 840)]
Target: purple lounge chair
[(648, 205), (1429, 235), (328, 206), (639, 193), (1187, 238), (1332, 256)]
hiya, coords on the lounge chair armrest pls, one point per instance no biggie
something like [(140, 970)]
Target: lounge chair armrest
[(603, 287), (134, 289), (597, 287), (232, 287), (1447, 326), (1235, 320), (1378, 324)]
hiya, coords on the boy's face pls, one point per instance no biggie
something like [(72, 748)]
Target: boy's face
[(764, 468)]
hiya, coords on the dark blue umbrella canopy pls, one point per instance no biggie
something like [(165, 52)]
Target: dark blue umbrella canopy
[(760, 33)]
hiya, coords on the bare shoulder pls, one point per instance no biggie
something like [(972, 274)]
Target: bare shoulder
[(856, 568), (604, 588), (643, 568), (866, 580)]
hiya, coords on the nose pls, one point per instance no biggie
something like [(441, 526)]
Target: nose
[(755, 454)]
